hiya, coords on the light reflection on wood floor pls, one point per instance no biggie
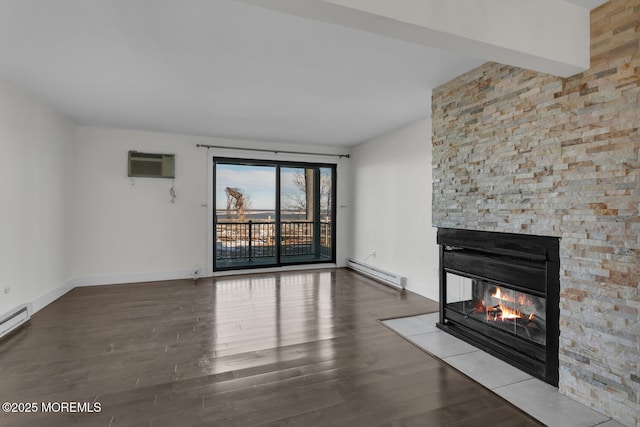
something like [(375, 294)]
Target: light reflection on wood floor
[(291, 349)]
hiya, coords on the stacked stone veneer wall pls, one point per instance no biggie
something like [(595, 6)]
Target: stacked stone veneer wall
[(520, 151)]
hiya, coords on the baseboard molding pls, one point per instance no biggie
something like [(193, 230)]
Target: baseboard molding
[(14, 319), (393, 280), (117, 279), (45, 299)]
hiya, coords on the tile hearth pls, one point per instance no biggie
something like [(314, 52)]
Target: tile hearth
[(531, 395)]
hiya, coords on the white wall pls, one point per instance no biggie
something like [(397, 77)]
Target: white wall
[(128, 230), (391, 198), (36, 223)]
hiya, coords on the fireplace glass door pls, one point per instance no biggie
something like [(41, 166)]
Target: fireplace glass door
[(517, 313)]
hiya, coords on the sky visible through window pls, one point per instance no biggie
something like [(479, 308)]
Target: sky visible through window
[(256, 182)]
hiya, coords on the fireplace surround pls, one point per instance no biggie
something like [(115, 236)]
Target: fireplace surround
[(500, 292)]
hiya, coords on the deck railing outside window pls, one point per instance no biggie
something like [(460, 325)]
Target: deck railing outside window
[(256, 239)]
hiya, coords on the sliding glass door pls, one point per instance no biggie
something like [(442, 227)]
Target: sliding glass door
[(273, 213)]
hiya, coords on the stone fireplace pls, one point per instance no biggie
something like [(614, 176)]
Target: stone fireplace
[(518, 151)]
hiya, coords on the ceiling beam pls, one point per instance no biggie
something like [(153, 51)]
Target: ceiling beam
[(550, 36)]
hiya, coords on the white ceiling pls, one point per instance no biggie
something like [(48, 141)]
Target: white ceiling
[(217, 68)]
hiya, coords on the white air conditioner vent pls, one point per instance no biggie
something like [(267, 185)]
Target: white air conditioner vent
[(151, 165)]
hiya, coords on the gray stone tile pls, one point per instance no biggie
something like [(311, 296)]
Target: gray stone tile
[(489, 371), (611, 423), (531, 395), (546, 404), (431, 318), (441, 344), (409, 326)]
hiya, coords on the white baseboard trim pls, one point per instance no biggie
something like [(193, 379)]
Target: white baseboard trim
[(117, 279), (45, 299)]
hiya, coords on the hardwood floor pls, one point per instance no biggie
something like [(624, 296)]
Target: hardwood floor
[(290, 349)]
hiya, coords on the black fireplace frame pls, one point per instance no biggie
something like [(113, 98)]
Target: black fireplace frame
[(522, 262)]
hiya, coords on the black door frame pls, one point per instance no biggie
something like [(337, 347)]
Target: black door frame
[(278, 164)]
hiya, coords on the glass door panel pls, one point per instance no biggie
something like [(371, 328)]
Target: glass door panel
[(245, 216), (519, 313), (299, 214)]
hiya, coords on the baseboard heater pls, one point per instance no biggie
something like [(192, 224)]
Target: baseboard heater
[(14, 319), (378, 274)]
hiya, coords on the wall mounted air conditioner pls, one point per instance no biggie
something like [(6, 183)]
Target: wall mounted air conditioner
[(149, 165)]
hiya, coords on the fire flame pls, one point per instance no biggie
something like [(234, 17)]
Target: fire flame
[(522, 300), (507, 313)]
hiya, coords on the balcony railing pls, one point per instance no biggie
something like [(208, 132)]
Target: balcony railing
[(249, 241)]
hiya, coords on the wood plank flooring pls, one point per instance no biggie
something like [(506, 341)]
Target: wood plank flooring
[(288, 349)]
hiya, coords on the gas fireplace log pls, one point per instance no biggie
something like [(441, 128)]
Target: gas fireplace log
[(537, 322)]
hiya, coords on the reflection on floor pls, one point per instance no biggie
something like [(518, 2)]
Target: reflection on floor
[(288, 349), (238, 263), (535, 397)]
